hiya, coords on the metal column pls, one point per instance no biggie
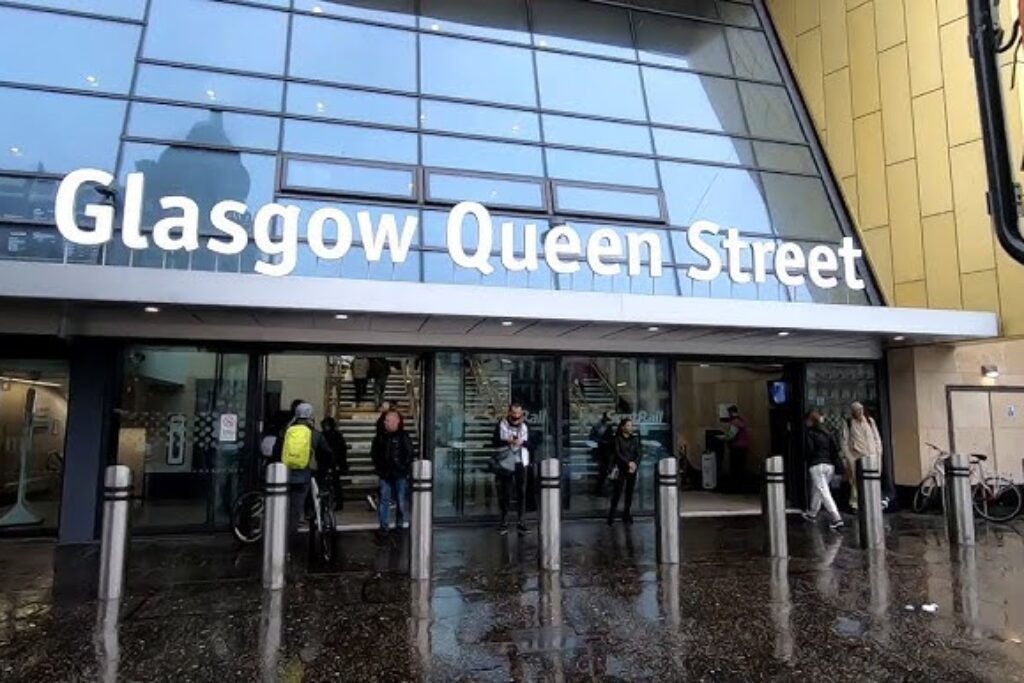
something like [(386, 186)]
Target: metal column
[(421, 541), (869, 493), (117, 489), (774, 511), (550, 515), (667, 521), (959, 510), (275, 525)]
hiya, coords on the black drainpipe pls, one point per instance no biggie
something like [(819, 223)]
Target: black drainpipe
[(1003, 192)]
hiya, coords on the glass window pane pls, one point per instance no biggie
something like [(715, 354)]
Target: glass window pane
[(351, 105), (595, 201), (769, 112), (341, 52), (684, 99), (477, 155), (476, 71), (782, 157), (682, 43), (435, 232), (590, 86), (398, 12), (305, 174), (733, 198), (376, 211), (127, 9), (50, 133), (740, 14), (491, 192), (601, 168), (203, 126), (513, 124), (799, 207), (704, 147), (582, 27), (499, 19), (71, 52), (205, 87), (751, 56), (574, 132), (694, 8), (353, 142), (217, 34)]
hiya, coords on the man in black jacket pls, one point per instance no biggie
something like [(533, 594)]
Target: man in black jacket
[(392, 453), (823, 457), (625, 467)]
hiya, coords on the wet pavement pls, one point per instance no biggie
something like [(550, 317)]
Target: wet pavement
[(195, 610)]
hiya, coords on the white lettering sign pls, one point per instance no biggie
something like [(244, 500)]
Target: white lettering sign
[(470, 231)]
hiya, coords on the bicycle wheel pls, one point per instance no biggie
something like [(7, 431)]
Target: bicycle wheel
[(328, 532), (926, 495), (998, 500), (247, 517)]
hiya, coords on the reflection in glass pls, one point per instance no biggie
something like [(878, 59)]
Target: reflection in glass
[(351, 142), (478, 155), (783, 157), (492, 192), (590, 86), (207, 87), (322, 176), (351, 105), (575, 132), (769, 112), (203, 126), (216, 34), (357, 54), (733, 198), (498, 19), (468, 69), (513, 124), (50, 133), (703, 147), (70, 52), (582, 27), (126, 9), (398, 12), (682, 43), (401, 213), (751, 56), (799, 207), (598, 201), (685, 99), (694, 8), (601, 168)]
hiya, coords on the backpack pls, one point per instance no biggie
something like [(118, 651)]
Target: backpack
[(298, 447)]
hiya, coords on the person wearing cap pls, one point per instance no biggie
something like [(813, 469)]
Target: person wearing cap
[(859, 438)]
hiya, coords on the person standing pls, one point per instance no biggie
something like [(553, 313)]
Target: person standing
[(601, 435), (392, 453), (300, 445), (859, 438), (625, 467), (360, 376), (510, 462), (380, 370), (339, 461), (737, 440), (823, 460)]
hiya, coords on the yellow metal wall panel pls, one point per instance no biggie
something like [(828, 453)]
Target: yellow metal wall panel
[(784, 17), (936, 192), (873, 206), (923, 45), (839, 123), (889, 23), (897, 114), (834, 51), (863, 60), (850, 4), (951, 10), (849, 186), (961, 95), (1011, 284), (905, 222), (879, 252), (811, 75), (973, 224), (942, 270), (981, 291), (807, 15), (912, 294)]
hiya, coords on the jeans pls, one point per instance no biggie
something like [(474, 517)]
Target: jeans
[(627, 480), (820, 491), (509, 481), (298, 491), (396, 490)]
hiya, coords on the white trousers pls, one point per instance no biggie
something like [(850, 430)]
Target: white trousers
[(820, 492)]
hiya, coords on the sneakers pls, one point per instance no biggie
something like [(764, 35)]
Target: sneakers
[(521, 528), (836, 525), (404, 525), (503, 529), (371, 502), (808, 516)]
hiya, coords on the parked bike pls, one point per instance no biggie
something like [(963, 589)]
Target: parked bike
[(996, 498)]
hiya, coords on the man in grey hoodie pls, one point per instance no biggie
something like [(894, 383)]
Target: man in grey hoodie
[(510, 462)]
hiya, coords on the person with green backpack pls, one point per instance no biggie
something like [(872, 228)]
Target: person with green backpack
[(300, 445)]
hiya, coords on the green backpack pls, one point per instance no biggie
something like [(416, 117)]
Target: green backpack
[(298, 446)]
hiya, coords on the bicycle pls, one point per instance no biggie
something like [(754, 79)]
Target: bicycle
[(247, 512), (995, 498), (323, 525)]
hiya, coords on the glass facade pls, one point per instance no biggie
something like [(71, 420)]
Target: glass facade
[(647, 116)]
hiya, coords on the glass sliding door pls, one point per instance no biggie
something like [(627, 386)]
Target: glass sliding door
[(599, 392), (472, 393)]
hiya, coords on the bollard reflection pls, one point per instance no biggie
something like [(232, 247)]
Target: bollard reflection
[(965, 589), (781, 608), (668, 586), (420, 616), (551, 622), (270, 633), (825, 549), (878, 582), (105, 640)]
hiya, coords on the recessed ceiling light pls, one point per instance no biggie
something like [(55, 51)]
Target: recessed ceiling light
[(151, 309), (16, 151), (317, 9), (507, 323), (899, 337), (435, 27), (653, 328), (784, 334), (211, 94), (92, 80), (705, 365), (620, 384), (341, 316)]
